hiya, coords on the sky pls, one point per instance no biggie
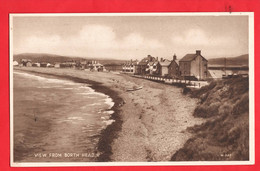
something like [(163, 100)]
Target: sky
[(131, 37)]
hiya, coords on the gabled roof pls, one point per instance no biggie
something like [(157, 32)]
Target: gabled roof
[(150, 63), (156, 62), (176, 61), (190, 57), (145, 60), (26, 60), (165, 63)]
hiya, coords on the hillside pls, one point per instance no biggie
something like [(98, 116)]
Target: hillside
[(230, 61), (52, 58), (225, 134)]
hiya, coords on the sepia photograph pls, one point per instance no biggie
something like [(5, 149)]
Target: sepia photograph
[(105, 89)]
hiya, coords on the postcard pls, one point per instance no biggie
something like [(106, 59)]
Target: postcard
[(131, 89)]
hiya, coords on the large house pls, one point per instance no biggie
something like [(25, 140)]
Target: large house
[(193, 66), (26, 62), (153, 67), (169, 68), (143, 67), (163, 65), (83, 64), (95, 66), (130, 67), (173, 68)]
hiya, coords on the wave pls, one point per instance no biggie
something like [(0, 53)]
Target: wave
[(109, 102), (78, 106), (51, 80)]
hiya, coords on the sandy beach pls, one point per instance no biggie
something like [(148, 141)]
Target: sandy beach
[(150, 123)]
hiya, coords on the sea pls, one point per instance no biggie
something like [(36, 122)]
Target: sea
[(57, 120)]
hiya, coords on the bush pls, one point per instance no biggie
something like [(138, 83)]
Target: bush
[(202, 90), (186, 90), (226, 108), (206, 111), (242, 106), (226, 105)]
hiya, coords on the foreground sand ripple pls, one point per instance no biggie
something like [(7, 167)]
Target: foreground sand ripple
[(154, 123)]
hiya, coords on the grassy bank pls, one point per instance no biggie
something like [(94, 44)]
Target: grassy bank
[(225, 135)]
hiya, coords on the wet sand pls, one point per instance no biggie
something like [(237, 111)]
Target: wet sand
[(150, 123)]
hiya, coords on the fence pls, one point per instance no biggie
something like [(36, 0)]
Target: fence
[(188, 83)]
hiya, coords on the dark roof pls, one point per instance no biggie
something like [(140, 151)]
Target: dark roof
[(26, 60), (146, 60), (143, 62), (190, 57), (175, 61)]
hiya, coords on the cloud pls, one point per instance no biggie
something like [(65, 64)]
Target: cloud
[(135, 40), (91, 40), (197, 37), (93, 36), (39, 43)]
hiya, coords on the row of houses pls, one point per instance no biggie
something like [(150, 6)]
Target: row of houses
[(29, 63), (191, 66), (88, 65), (91, 65)]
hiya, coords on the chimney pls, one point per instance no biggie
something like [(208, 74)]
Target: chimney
[(157, 58), (161, 59), (174, 57), (198, 52)]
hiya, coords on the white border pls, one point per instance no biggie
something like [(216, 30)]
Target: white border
[(11, 87), (190, 163)]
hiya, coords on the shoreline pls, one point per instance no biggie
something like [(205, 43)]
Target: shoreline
[(150, 124), (104, 143)]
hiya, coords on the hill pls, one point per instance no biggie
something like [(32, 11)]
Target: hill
[(225, 134), (230, 61), (52, 58)]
